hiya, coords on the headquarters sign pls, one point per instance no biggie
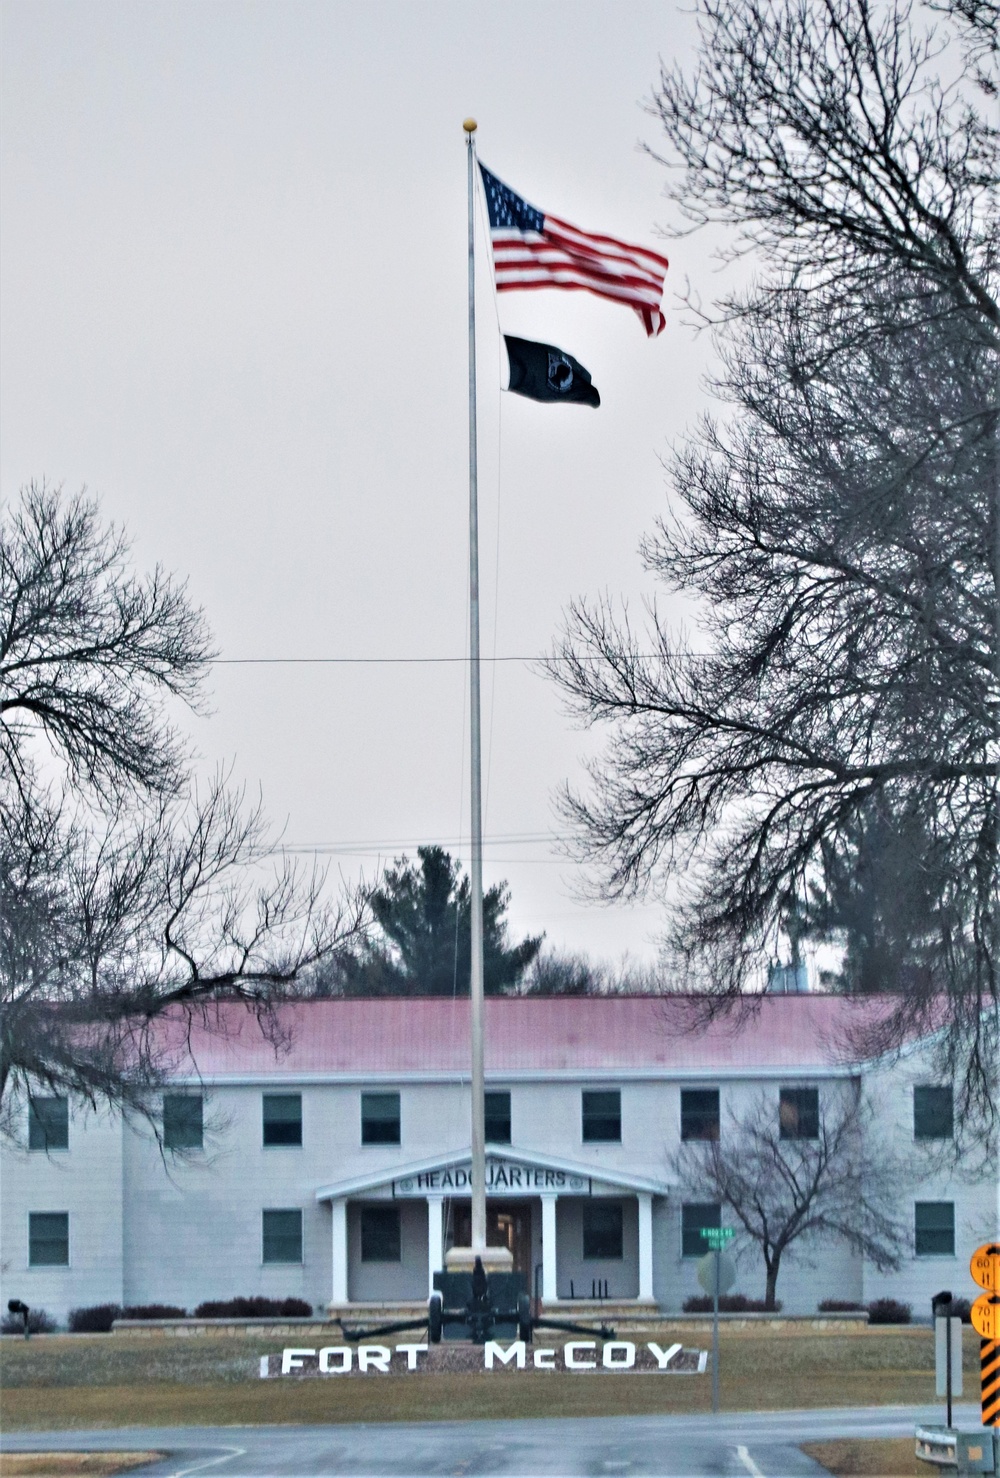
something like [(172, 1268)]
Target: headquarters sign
[(503, 1176)]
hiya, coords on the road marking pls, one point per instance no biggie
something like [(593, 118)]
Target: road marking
[(748, 1462), (211, 1462)]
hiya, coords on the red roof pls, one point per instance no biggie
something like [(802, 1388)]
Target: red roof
[(533, 1035)]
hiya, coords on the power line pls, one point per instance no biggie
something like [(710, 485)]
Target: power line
[(416, 661)]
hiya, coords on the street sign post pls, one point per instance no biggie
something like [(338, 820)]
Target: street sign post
[(717, 1238)]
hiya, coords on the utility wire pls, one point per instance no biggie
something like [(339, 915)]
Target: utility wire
[(413, 661)]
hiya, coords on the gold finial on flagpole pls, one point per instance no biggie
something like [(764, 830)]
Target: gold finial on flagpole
[(470, 125)]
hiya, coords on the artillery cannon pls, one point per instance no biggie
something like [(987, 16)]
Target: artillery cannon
[(478, 1306)]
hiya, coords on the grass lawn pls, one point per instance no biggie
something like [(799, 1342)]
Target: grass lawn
[(891, 1457), (111, 1380)]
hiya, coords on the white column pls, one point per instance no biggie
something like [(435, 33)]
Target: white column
[(435, 1239), (550, 1285), (339, 1293), (645, 1246)]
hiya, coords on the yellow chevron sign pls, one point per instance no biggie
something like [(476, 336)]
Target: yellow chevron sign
[(989, 1360), (985, 1267)]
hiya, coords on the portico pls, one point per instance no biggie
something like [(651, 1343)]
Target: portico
[(575, 1230)]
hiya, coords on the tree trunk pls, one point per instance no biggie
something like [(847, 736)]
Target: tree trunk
[(771, 1285)]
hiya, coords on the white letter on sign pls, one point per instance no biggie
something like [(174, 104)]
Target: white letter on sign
[(572, 1363), (411, 1352), (545, 1359), (374, 1357), (292, 1359), (627, 1358), (662, 1357), (345, 1354), (513, 1352)]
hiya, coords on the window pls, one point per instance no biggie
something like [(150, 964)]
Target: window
[(798, 1113), (48, 1239), (380, 1118), (48, 1123), (699, 1113), (380, 1238), (498, 1118), (602, 1230), (282, 1118), (602, 1116), (182, 1121), (934, 1228), (282, 1236), (694, 1216), (933, 1113)]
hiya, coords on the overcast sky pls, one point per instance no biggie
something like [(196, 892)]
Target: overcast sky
[(234, 306)]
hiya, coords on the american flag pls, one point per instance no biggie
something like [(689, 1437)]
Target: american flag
[(531, 249)]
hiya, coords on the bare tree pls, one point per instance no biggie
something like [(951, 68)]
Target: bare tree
[(782, 1186), (163, 911), (838, 530), (126, 891), (89, 652)]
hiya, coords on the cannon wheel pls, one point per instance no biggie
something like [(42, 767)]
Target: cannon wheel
[(524, 1317), (435, 1306)]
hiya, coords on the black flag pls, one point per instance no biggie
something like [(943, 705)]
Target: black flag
[(543, 372)]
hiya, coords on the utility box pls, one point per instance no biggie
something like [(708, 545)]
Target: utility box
[(976, 1452)]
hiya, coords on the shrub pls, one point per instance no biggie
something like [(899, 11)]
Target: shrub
[(253, 1308), (95, 1319), (961, 1308), (39, 1322), (153, 1311), (888, 1311), (840, 1306), (729, 1303)]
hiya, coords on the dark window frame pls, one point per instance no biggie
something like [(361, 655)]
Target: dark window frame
[(374, 1241), (928, 1233), (178, 1135), (280, 1131), (40, 1134), (601, 1239), (377, 1128), (601, 1123), (277, 1237), (37, 1240), (923, 1108), (498, 1115), (693, 1244), (798, 1111), (695, 1119)]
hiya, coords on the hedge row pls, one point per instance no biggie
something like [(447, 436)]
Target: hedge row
[(98, 1318), (881, 1311)]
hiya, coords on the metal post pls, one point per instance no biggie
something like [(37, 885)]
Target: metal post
[(947, 1362), (715, 1328), (478, 1238)]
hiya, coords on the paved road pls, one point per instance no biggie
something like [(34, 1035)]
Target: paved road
[(733, 1445)]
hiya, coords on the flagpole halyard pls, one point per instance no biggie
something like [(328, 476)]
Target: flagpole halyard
[(478, 1080)]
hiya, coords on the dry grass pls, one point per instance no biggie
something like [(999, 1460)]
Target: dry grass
[(90, 1381), (69, 1464), (890, 1457)]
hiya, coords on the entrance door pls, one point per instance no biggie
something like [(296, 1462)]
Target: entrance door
[(508, 1224)]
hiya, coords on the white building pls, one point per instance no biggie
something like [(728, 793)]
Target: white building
[(336, 1167)]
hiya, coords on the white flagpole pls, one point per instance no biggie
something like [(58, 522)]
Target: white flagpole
[(478, 1238)]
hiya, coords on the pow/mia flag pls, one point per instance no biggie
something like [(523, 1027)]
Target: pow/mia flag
[(543, 372)]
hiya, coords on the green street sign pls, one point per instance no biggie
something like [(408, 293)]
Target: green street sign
[(717, 1237)]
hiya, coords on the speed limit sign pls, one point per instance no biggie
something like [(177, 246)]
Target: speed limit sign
[(985, 1315), (985, 1267)]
